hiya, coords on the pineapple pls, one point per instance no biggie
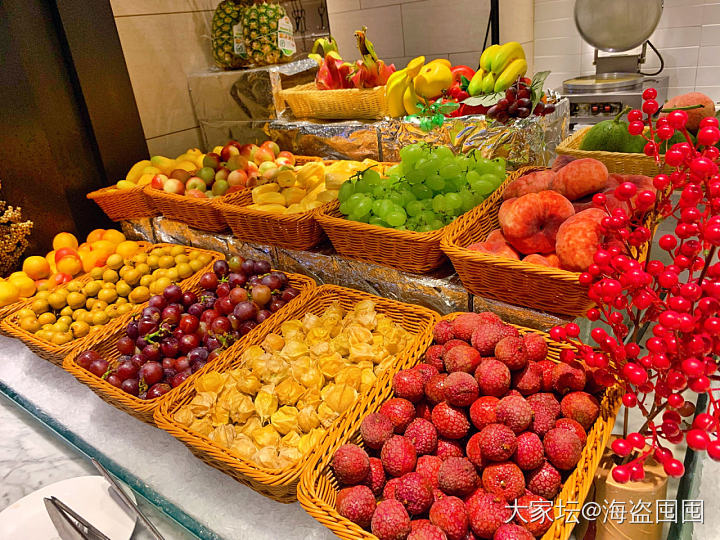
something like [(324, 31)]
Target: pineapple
[(261, 23), (228, 52)]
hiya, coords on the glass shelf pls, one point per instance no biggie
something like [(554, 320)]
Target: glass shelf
[(159, 468)]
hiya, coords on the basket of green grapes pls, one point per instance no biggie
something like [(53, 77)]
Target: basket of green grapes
[(397, 219)]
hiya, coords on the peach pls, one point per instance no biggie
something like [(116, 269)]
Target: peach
[(581, 177), (579, 238), (694, 115), (529, 183), (561, 161), (551, 259), (530, 223), (503, 249), (496, 236)]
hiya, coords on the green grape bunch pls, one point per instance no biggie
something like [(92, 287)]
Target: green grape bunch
[(426, 190)]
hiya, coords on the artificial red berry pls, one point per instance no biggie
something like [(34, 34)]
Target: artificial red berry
[(697, 439), (621, 474), (636, 127), (677, 119), (708, 136), (650, 106), (649, 93), (635, 115)]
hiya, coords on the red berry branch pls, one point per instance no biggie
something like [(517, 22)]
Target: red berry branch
[(677, 303)]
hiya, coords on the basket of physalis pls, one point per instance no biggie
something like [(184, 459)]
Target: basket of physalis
[(293, 383), (281, 211)]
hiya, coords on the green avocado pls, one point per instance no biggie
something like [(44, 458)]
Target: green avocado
[(608, 135)]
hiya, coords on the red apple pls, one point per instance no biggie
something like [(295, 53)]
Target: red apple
[(266, 166), (283, 161), (222, 173), (236, 162), (195, 183), (173, 185), (272, 146), (196, 193), (237, 178), (288, 155), (262, 155), (248, 151), (251, 168), (233, 189), (158, 181), (232, 148)]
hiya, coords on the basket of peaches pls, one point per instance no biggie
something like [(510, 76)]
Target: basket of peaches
[(192, 196)]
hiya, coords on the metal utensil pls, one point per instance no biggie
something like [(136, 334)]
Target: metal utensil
[(617, 25), (125, 499), (69, 524)]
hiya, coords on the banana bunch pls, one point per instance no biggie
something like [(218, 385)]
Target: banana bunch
[(306, 188), (401, 89), (322, 47), (142, 172), (500, 66)]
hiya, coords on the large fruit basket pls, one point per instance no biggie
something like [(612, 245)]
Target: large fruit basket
[(281, 484), (122, 204), (318, 487), (409, 251), (616, 162), (143, 409), (306, 101), (299, 231), (57, 353)]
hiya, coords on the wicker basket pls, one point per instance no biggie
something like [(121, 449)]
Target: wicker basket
[(122, 204), (292, 231), (318, 488), (280, 484), (409, 251), (57, 353), (616, 162), (143, 409), (306, 101)]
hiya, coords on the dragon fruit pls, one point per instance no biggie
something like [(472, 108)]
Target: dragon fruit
[(333, 73)]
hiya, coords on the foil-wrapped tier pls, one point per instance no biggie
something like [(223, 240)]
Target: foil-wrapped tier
[(441, 291)]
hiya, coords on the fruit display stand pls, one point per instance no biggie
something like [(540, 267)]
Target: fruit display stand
[(57, 353), (121, 204), (318, 487), (280, 484), (143, 409), (616, 162)]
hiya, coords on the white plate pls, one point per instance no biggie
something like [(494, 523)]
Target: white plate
[(89, 496)]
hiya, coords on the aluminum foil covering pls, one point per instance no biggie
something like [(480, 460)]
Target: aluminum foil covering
[(522, 142), (521, 316), (252, 251), (139, 229), (219, 132), (331, 140), (171, 232)]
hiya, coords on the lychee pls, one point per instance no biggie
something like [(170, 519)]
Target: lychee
[(423, 436), (543, 421), (450, 422), (482, 411), (497, 442), (493, 377), (574, 426), (536, 347), (449, 514), (400, 412), (398, 456), (563, 448), (426, 371), (515, 412), (415, 493), (443, 332), (357, 504), (427, 531), (464, 325), (390, 521), (546, 366), (408, 384), (488, 317), (351, 464), (528, 380), (435, 388), (504, 479), (462, 358), (535, 514), (390, 487), (529, 454), (424, 411), (485, 337), (457, 476), (375, 429), (486, 513), (461, 389), (447, 448), (434, 356), (375, 479), (581, 407), (511, 352), (428, 466), (474, 452), (546, 401), (567, 378), (544, 481), (448, 346), (511, 531)]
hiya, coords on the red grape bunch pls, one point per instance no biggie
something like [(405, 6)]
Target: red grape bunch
[(517, 103)]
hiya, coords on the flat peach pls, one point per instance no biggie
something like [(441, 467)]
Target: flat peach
[(533, 182), (580, 178), (579, 238)]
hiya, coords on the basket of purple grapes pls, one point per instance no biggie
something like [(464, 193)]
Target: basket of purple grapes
[(181, 333)]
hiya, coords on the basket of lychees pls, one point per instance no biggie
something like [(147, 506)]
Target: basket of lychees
[(494, 434)]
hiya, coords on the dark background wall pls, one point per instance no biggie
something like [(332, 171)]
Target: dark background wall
[(67, 115)]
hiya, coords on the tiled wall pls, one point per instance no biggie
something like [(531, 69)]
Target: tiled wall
[(688, 37), (404, 29)]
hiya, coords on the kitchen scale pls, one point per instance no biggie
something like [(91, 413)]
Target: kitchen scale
[(613, 26)]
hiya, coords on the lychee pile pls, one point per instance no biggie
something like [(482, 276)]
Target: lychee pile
[(485, 423)]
